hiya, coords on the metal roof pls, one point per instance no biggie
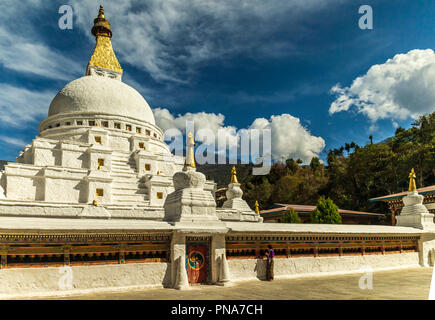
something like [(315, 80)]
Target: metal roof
[(424, 190), (281, 207)]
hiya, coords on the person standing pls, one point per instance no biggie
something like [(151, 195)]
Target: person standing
[(269, 263)]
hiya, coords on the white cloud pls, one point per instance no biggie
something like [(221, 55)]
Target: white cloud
[(289, 138), (403, 87), (22, 48), (13, 141), (27, 56), (18, 105), (171, 38)]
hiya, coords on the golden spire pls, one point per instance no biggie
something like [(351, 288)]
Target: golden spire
[(103, 55), (412, 185), (190, 154), (257, 208), (233, 175)]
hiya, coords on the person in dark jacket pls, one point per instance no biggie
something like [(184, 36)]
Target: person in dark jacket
[(269, 263)]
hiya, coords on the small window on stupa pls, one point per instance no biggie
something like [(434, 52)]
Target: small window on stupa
[(155, 135), (141, 145), (159, 195), (105, 124), (67, 123), (128, 127), (92, 123), (99, 192), (147, 167), (100, 162), (98, 139), (79, 123), (138, 130), (57, 125), (117, 125), (147, 132)]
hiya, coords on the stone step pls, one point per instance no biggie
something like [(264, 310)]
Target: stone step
[(123, 164), (129, 191), (119, 199), (123, 160), (124, 170), (128, 197), (126, 184), (141, 204), (124, 175)]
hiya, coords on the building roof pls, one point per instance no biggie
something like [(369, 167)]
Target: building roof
[(423, 191), (281, 207)]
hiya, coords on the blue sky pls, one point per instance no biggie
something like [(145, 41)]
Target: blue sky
[(245, 60)]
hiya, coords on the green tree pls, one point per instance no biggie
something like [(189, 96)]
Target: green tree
[(292, 166), (291, 216), (326, 212), (315, 164)]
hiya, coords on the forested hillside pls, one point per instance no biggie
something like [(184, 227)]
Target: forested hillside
[(352, 175)]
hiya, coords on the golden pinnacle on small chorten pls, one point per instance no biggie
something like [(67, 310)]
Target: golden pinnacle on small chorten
[(190, 152), (234, 175), (412, 185), (257, 207)]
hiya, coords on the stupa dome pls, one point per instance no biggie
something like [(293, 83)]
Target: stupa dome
[(101, 95)]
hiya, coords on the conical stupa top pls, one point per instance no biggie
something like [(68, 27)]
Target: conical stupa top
[(234, 175), (103, 56)]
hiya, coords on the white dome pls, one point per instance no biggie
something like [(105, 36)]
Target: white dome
[(96, 94)]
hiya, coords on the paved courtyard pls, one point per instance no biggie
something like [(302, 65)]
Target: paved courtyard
[(410, 284)]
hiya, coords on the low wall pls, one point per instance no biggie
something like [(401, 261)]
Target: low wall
[(249, 269), (28, 282)]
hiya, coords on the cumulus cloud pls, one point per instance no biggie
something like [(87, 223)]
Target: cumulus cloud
[(403, 87), (289, 139), (171, 38)]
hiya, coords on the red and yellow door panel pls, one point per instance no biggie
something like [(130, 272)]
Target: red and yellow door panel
[(196, 261)]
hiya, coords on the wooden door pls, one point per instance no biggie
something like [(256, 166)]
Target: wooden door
[(197, 263)]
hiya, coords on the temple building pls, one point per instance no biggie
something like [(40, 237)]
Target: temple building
[(98, 202), (278, 210)]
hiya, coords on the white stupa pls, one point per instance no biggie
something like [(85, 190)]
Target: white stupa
[(99, 145)]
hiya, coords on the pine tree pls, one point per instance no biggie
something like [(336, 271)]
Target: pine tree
[(291, 216), (326, 212)]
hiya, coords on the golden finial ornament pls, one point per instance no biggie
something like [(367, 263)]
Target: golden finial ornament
[(103, 56), (190, 154), (234, 175), (412, 185), (257, 208)]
